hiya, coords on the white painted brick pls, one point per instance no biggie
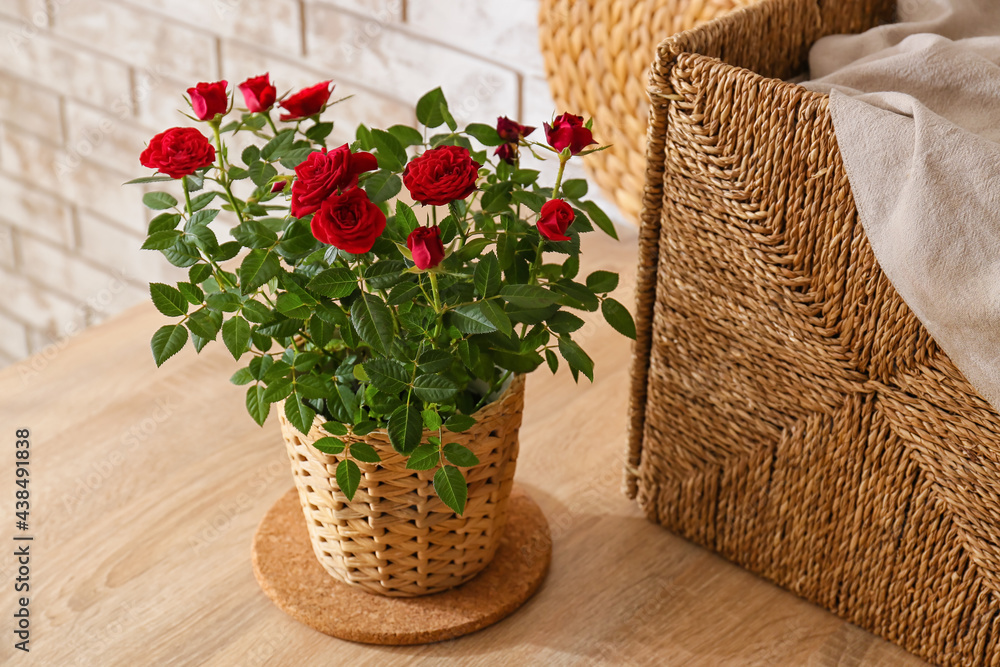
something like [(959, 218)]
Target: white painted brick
[(28, 208), (505, 32), (8, 247), (84, 183), (38, 306), (138, 38), (273, 25), (120, 252), (61, 271), (109, 139), (25, 105), (537, 106), (65, 67), (159, 101), (407, 66), (13, 337), (33, 12), (380, 11)]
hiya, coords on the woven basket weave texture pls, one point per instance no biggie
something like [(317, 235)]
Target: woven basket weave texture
[(396, 537), (788, 410), (597, 55)]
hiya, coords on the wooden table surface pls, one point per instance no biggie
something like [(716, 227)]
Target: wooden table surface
[(147, 485)]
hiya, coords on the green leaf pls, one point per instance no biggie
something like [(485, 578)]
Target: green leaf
[(487, 275), (618, 316), (299, 414), (335, 428), (253, 234), (203, 200), (460, 455), (484, 134), (257, 268), (525, 176), (574, 188), (471, 319), (348, 477), (405, 429), (406, 135), (423, 457), (318, 132), (431, 108), (373, 321), (168, 300), (384, 274), (158, 201), (450, 486), (406, 218), (278, 389), (387, 375), (192, 293), (382, 185), (236, 336), (250, 155), (388, 151), (432, 420), (435, 361), (564, 322), (329, 445), (162, 240), (164, 222), (291, 305), (576, 295), (600, 218), (261, 173), (529, 296), (256, 405), (199, 273), (277, 146), (335, 283), (458, 423), (242, 376), (434, 388), (225, 301), (552, 360), (576, 357), (602, 281), (205, 324), (168, 341), (497, 317), (364, 452), (148, 179)]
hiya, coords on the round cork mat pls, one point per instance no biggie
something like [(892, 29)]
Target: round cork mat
[(288, 572)]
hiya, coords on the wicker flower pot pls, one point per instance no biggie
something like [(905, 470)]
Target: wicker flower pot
[(396, 537)]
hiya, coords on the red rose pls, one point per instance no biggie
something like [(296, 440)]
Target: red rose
[(511, 131), (324, 173), (441, 175), (425, 244), (178, 152), (349, 221), (258, 93), (507, 152), (568, 130), (209, 99), (556, 218), (307, 102)]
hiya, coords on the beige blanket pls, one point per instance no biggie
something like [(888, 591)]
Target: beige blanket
[(924, 165)]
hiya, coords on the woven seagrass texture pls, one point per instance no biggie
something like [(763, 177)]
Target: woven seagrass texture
[(788, 410), (597, 55), (396, 537)]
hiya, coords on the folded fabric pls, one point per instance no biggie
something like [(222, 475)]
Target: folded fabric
[(916, 109)]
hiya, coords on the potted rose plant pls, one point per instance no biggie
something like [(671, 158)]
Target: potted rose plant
[(389, 295)]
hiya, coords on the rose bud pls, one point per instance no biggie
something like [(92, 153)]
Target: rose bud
[(507, 152), (441, 175), (349, 221), (555, 219), (307, 102), (178, 152), (568, 131), (426, 246), (258, 93), (209, 99), (278, 186), (324, 173), (511, 131)]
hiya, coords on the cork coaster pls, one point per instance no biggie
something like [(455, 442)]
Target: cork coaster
[(288, 572)]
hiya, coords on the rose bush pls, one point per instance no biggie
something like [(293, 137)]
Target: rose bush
[(353, 304)]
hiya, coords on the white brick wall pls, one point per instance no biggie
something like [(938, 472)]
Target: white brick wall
[(85, 83)]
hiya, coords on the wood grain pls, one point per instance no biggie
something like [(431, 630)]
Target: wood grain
[(147, 485)]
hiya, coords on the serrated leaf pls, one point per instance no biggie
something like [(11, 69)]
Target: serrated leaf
[(164, 222), (256, 405), (602, 281), (487, 276), (458, 423), (257, 268), (405, 429), (205, 324), (203, 200), (224, 301), (168, 300), (148, 179), (236, 336), (484, 134), (552, 360), (387, 375), (529, 296), (388, 150), (429, 108), (423, 457), (434, 388), (162, 240), (450, 486), (382, 185), (460, 455), (299, 414), (191, 292), (261, 173), (276, 147), (253, 234), (278, 389), (291, 305), (242, 376), (600, 218), (618, 316), (159, 201), (335, 283), (373, 321), (168, 341), (497, 317), (576, 357), (574, 188), (250, 155), (348, 477), (432, 420), (471, 319), (365, 453), (329, 445), (564, 322), (335, 428), (406, 135)]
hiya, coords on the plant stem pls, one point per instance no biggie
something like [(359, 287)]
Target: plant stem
[(187, 194), (437, 295), (224, 174)]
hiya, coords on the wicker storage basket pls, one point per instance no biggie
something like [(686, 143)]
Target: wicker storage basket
[(396, 537), (788, 410), (597, 55)]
